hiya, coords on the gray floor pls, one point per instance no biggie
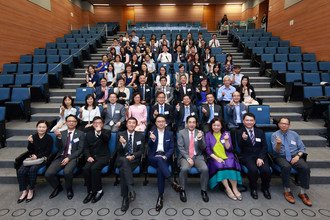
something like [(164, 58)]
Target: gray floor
[(219, 207)]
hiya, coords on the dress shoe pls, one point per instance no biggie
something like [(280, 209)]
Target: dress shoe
[(21, 200), (97, 197), (88, 198), (254, 194), (69, 194), (132, 196), (159, 204), (56, 191), (266, 194), (183, 196), (125, 204), (289, 197), (305, 199), (204, 196), (29, 199), (176, 187)]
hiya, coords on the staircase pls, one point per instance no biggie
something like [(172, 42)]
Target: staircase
[(311, 132)]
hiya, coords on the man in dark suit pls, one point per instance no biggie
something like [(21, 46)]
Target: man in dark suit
[(183, 111), (162, 108), (179, 56), (113, 113), (97, 153), (130, 149), (184, 89), (160, 150), (235, 111), (144, 90), (191, 145), (252, 143), (70, 144), (210, 111), (167, 90)]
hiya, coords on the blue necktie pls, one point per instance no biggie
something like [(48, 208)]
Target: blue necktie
[(161, 110), (211, 113), (253, 139), (286, 148), (143, 93), (186, 114)]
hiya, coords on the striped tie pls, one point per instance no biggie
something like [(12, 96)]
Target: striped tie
[(253, 140)]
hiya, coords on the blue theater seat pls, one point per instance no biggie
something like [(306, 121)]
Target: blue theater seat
[(81, 94), (6, 80), (19, 105), (9, 68)]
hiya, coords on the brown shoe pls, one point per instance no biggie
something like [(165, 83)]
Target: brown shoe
[(305, 199), (289, 197)]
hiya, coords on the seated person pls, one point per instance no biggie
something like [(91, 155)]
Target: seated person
[(216, 77), (162, 108), (235, 112), (289, 150), (40, 146), (196, 75), (183, 110), (248, 96), (92, 78), (228, 65), (181, 72), (87, 113), (236, 76), (183, 88), (110, 75), (210, 110), (102, 92), (129, 76), (165, 56), (163, 73), (138, 111), (103, 65), (179, 56), (119, 67), (223, 166), (210, 64), (65, 110), (122, 92), (148, 75), (144, 90), (201, 91), (113, 114), (225, 92), (166, 89), (150, 63), (214, 42)]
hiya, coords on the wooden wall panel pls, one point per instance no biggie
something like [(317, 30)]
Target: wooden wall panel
[(311, 29), (233, 12), (209, 17), (25, 26)]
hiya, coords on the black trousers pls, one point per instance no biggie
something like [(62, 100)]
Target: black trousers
[(27, 176), (254, 171), (126, 169), (92, 174), (302, 168), (51, 173)]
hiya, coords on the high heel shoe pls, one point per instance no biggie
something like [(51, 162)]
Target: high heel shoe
[(231, 195), (239, 197), (21, 200), (30, 199)]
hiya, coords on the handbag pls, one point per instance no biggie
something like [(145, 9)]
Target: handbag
[(29, 162)]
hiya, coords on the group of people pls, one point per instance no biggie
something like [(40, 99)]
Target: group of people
[(192, 107)]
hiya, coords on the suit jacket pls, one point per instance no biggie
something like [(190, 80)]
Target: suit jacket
[(175, 57), (118, 114), (147, 93), (217, 112), (77, 144), (138, 145), (169, 92), (179, 115), (189, 91), (97, 147), (252, 92), (259, 150), (168, 144), (168, 113), (99, 94), (184, 141), (231, 111)]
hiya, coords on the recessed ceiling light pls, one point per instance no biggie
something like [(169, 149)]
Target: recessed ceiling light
[(168, 4), (201, 3), (234, 3), (133, 4), (101, 4)]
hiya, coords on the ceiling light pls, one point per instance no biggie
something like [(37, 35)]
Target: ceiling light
[(101, 4), (201, 3), (133, 4), (233, 3), (167, 4)]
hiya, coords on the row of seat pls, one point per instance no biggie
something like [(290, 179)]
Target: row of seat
[(292, 57), (282, 67), (43, 58), (3, 126)]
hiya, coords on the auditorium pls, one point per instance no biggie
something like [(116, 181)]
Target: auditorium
[(154, 109)]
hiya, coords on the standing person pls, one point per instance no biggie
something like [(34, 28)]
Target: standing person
[(113, 114), (130, 149), (160, 151), (191, 145), (40, 146), (97, 153), (224, 19), (222, 164), (70, 144), (289, 152), (253, 155), (264, 21)]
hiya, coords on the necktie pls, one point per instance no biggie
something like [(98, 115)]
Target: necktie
[(286, 148), (191, 145), (129, 145), (184, 89), (143, 93), (211, 113), (253, 140), (67, 144), (161, 109), (111, 110), (186, 113)]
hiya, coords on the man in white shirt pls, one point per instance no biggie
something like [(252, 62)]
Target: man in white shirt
[(165, 56), (214, 42), (134, 37)]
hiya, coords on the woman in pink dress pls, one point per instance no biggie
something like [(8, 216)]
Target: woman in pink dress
[(138, 111)]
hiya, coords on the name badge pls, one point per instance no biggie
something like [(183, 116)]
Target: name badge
[(168, 92), (117, 111), (75, 140), (111, 123), (196, 139), (138, 142), (106, 67), (259, 109), (216, 114), (147, 90), (166, 113), (193, 113), (243, 112), (219, 78), (188, 90), (293, 142), (222, 141), (258, 140), (168, 140), (201, 77)]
